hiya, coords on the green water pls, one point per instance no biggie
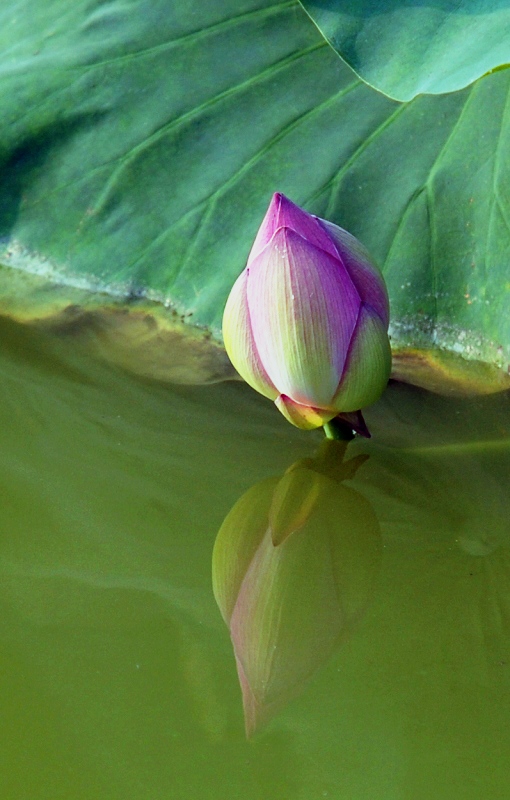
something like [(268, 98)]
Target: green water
[(118, 678)]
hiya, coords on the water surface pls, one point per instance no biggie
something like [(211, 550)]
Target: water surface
[(118, 675)]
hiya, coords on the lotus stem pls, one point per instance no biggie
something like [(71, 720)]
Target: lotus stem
[(338, 429)]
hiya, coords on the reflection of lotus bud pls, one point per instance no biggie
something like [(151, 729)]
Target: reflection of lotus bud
[(293, 567), (306, 322)]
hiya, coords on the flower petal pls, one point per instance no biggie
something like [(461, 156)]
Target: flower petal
[(239, 341), (303, 308), (365, 275), (368, 364), (283, 213), (304, 417), (238, 539), (293, 502)]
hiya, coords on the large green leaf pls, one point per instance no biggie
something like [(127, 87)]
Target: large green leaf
[(140, 146), (404, 47)]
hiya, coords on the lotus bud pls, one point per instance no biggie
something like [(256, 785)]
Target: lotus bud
[(306, 322), (293, 569)]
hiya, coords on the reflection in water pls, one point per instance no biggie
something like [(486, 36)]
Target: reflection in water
[(118, 679), (293, 569)]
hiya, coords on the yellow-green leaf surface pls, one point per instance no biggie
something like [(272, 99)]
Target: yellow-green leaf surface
[(140, 145)]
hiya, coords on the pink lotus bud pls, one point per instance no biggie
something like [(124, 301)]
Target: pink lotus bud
[(293, 570), (306, 322)]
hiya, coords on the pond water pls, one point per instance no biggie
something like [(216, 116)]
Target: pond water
[(118, 673)]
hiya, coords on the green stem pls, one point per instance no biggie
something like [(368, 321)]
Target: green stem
[(338, 429)]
